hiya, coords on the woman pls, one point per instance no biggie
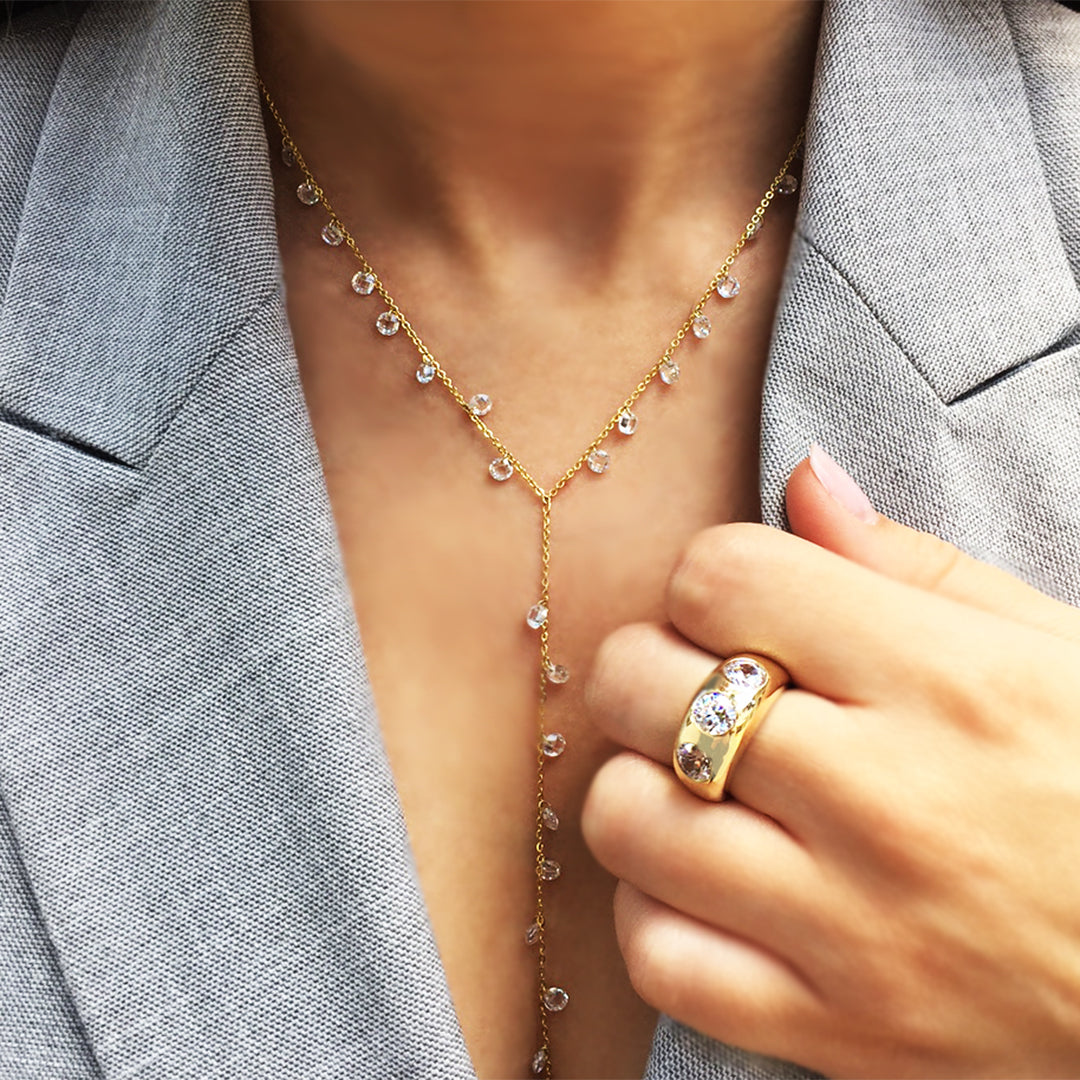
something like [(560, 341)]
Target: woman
[(208, 866)]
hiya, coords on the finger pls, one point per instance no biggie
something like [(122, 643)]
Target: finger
[(714, 982), (726, 865), (825, 506), (842, 631)]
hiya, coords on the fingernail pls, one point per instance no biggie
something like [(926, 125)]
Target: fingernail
[(840, 486)]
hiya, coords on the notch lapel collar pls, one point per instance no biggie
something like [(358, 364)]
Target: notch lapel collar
[(191, 756)]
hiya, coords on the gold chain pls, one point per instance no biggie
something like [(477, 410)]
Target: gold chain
[(315, 195)]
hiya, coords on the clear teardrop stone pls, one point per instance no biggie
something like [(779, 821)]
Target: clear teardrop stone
[(549, 870), (788, 185), (669, 372), (728, 287), (627, 422), (598, 460), (539, 1062), (550, 818), (388, 324), (333, 233), (307, 193), (701, 326), (425, 373), (553, 744), (536, 617), (556, 999), (501, 469), (479, 404), (363, 283), (287, 155), (557, 674), (532, 935)]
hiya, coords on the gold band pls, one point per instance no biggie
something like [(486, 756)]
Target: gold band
[(720, 720)]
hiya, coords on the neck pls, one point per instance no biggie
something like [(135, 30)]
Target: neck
[(575, 126)]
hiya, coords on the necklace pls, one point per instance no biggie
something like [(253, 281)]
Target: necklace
[(551, 998)]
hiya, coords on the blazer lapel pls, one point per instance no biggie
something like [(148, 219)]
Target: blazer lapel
[(928, 290), (191, 756)]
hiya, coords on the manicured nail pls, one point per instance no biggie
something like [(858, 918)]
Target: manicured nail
[(840, 486)]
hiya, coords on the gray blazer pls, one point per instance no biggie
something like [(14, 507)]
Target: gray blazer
[(203, 867)]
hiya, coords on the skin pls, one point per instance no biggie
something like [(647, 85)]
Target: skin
[(548, 267), (887, 893), (546, 222)]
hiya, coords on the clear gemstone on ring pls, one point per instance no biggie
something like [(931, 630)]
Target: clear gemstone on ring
[(714, 712), (701, 326), (555, 999), (548, 870), (694, 763), (788, 185), (627, 422), (669, 372), (307, 193), (425, 372), (539, 1062), (532, 935), (549, 818), (745, 673)]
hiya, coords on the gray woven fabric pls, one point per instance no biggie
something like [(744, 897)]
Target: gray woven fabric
[(204, 872)]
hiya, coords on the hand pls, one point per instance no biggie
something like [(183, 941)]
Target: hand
[(893, 888)]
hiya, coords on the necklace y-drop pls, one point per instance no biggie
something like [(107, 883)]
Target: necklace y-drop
[(595, 458)]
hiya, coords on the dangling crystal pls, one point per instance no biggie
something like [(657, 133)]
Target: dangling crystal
[(425, 372), (539, 1062), (287, 155), (308, 193), (550, 818), (627, 422), (728, 287), (752, 229), (532, 935), (556, 999), (388, 324), (556, 673), (598, 460), (701, 326), (669, 372), (536, 616), (788, 185), (549, 870), (553, 744), (363, 283), (333, 233), (501, 469), (479, 404)]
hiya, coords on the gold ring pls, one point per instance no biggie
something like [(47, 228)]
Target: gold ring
[(724, 713)]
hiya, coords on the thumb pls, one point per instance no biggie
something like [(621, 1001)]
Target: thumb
[(827, 507)]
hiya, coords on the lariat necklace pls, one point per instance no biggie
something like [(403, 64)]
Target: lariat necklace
[(551, 998)]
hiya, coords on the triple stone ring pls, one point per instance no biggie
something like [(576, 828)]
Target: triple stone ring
[(722, 717)]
